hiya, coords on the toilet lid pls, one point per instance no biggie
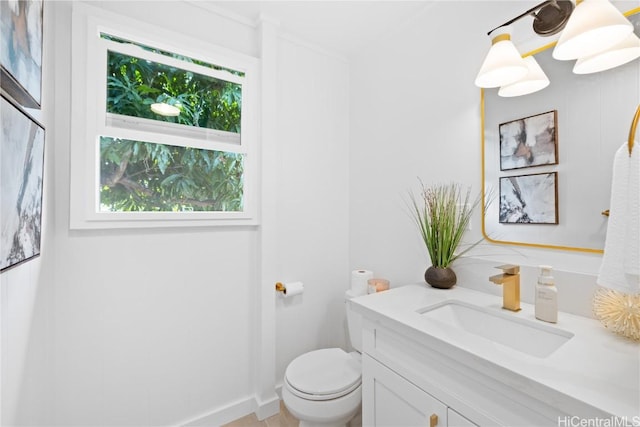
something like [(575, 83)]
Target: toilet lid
[(324, 374)]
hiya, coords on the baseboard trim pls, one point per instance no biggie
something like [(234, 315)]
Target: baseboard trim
[(223, 415), (236, 410), (267, 408)]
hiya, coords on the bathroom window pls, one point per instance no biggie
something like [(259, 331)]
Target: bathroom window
[(163, 128)]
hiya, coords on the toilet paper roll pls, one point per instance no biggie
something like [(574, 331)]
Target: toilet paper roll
[(359, 281), (292, 289)]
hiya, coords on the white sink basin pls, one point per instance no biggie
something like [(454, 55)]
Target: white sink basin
[(531, 337)]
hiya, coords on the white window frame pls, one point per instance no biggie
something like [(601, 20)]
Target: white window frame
[(90, 119)]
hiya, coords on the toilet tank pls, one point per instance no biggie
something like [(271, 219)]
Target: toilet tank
[(354, 323)]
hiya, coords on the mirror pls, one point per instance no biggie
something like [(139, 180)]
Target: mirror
[(593, 115)]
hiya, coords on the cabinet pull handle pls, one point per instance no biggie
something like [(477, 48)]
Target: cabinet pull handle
[(433, 420)]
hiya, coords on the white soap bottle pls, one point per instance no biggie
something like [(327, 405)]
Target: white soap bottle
[(546, 296)]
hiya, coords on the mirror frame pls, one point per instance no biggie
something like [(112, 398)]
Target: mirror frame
[(483, 176)]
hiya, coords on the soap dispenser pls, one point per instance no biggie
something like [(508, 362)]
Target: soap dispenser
[(546, 296)]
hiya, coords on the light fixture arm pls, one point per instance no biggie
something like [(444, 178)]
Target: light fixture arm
[(551, 21), (531, 12)]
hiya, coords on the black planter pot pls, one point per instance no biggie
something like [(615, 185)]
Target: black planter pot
[(441, 278)]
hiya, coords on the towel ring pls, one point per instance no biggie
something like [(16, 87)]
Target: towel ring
[(632, 131), (630, 142)]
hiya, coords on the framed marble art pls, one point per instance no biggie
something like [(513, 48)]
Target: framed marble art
[(21, 185), (21, 51)]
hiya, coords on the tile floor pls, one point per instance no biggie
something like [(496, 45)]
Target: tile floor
[(283, 419)]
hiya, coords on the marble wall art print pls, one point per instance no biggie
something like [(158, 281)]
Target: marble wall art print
[(529, 199), (21, 179), (531, 141), (21, 50)]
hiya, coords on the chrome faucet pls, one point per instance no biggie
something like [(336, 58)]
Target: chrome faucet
[(510, 281)]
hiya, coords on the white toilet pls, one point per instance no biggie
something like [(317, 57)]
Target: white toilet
[(324, 387)]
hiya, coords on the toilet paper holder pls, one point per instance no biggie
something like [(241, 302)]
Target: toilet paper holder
[(290, 289)]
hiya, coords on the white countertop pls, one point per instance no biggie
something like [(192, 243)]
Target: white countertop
[(595, 366)]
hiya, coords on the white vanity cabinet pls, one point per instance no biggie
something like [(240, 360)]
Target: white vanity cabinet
[(393, 401), (454, 419), (416, 367), (407, 381)]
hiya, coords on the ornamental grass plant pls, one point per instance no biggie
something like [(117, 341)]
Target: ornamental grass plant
[(442, 213)]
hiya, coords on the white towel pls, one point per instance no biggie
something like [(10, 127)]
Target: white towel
[(620, 267)]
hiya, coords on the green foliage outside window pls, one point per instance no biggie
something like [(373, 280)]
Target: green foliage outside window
[(146, 176), (133, 84), (142, 176)]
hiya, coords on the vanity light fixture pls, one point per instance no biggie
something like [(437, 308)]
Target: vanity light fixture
[(625, 51), (533, 81), (594, 25), (503, 64), (594, 32)]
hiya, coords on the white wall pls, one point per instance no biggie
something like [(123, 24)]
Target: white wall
[(415, 113), (25, 310), (159, 327), (313, 198), (151, 327)]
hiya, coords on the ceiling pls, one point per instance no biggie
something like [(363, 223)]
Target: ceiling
[(339, 26), (344, 26)]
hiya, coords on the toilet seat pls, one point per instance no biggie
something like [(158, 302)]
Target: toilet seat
[(324, 374)]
